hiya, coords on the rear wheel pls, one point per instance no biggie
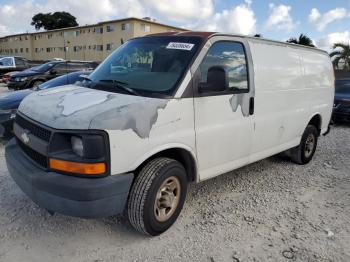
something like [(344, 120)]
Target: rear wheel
[(157, 196), (303, 153)]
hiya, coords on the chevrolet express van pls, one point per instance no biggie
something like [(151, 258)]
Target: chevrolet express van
[(163, 111)]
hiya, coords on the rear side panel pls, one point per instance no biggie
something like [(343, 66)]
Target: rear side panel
[(319, 84), (281, 108), (288, 94)]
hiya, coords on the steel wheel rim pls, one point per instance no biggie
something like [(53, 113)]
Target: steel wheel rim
[(167, 199), (309, 145)]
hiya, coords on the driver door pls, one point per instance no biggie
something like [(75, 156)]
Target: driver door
[(224, 119)]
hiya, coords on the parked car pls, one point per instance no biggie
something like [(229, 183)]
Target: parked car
[(13, 63), (9, 102), (341, 110), (165, 110), (40, 74)]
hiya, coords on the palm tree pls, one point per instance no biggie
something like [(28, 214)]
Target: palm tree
[(301, 40), (341, 54)]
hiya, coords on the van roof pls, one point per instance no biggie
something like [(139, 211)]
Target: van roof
[(207, 35)]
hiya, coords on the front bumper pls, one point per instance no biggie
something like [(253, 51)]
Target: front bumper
[(341, 113), (6, 124), (68, 195), (17, 85)]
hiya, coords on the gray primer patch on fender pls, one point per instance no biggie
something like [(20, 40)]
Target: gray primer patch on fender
[(241, 100), (140, 117), (73, 107)]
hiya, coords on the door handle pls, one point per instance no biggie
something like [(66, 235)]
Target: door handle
[(251, 106)]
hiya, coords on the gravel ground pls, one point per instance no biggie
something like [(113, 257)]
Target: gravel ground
[(272, 210)]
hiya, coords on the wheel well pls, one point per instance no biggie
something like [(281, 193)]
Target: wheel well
[(316, 121), (179, 154), (36, 80)]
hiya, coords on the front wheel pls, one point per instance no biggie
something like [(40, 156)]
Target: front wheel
[(303, 153), (157, 196), (37, 83)]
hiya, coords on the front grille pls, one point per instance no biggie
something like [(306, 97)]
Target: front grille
[(37, 157), (36, 130)]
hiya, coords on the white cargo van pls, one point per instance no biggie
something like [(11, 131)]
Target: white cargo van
[(163, 111)]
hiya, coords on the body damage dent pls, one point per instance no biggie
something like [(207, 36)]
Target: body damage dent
[(73, 107), (241, 100)]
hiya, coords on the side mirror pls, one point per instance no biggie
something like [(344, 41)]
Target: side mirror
[(217, 80), (53, 72), (1, 63)]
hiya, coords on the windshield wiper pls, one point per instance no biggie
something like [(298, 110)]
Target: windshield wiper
[(121, 85)]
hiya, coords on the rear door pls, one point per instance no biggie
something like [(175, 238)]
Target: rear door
[(20, 64), (224, 120), (60, 69)]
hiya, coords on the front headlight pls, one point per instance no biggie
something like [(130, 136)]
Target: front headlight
[(83, 153), (77, 145), (21, 79), (10, 112)]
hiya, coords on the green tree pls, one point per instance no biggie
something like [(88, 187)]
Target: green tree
[(341, 54), (301, 40), (50, 21)]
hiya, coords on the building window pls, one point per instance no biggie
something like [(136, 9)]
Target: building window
[(109, 47), (76, 33), (109, 28), (145, 28), (48, 49), (99, 30), (125, 26), (49, 36), (99, 47), (77, 48), (21, 50)]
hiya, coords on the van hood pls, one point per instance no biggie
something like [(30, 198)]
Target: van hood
[(74, 107)]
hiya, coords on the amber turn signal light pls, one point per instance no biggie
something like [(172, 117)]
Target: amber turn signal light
[(78, 168)]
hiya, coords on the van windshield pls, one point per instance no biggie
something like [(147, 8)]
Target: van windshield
[(146, 66)]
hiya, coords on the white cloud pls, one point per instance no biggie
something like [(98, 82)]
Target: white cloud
[(322, 20), (16, 16), (239, 20), (280, 18), (182, 10), (338, 37), (314, 15)]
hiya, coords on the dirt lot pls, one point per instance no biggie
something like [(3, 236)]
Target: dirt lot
[(272, 210)]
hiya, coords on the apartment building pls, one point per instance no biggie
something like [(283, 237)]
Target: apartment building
[(90, 42)]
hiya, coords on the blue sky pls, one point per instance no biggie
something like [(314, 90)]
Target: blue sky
[(324, 21)]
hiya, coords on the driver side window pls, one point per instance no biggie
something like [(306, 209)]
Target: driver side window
[(230, 55)]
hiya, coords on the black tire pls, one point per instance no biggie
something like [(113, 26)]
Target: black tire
[(143, 195), (303, 153), (36, 83)]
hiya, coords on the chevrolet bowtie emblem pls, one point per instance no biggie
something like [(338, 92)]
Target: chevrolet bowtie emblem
[(25, 137)]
